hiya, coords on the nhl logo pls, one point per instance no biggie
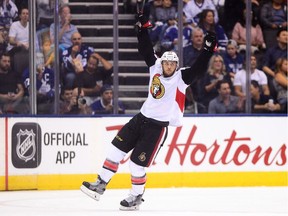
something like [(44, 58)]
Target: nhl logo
[(26, 147)]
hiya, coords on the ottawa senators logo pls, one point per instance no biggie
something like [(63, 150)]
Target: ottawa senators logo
[(157, 89)]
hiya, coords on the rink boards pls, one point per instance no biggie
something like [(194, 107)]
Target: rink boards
[(59, 153)]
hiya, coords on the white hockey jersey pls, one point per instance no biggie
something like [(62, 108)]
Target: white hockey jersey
[(166, 96)]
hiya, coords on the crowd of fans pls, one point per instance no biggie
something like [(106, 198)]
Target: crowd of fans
[(82, 81), (86, 87)]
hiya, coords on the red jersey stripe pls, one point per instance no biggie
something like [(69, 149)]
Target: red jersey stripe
[(180, 99)]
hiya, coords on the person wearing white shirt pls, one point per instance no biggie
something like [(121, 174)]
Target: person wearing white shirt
[(18, 46), (19, 31), (256, 74)]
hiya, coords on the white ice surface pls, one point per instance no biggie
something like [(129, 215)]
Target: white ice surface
[(246, 201)]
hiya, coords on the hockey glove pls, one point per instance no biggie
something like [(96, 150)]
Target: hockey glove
[(145, 23), (210, 43)]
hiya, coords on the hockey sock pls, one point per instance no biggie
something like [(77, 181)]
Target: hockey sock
[(110, 165), (138, 178)]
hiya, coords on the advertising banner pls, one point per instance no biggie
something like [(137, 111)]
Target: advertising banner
[(56, 147)]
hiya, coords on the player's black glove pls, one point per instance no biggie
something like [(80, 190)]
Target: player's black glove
[(145, 23), (210, 43)]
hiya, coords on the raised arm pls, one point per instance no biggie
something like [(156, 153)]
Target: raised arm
[(198, 69), (145, 46)]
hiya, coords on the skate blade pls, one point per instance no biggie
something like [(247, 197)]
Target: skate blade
[(132, 208), (90, 193)]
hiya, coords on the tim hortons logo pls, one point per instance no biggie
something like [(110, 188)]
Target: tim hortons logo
[(235, 150), (26, 147)]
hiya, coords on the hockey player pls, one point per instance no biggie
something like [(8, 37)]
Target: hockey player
[(164, 106)]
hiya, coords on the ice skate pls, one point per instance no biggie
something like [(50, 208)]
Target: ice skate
[(94, 189), (131, 203)]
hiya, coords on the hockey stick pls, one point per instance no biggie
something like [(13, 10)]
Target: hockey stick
[(140, 6), (164, 139)]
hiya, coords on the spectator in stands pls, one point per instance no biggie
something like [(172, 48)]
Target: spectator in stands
[(18, 46), (164, 17), (193, 9), (271, 56), (45, 88), (78, 105), (261, 103), (47, 51), (225, 102), (45, 12), (11, 88), (164, 13), (215, 73), (239, 35), (219, 5), (8, 12), (105, 104), (190, 54), (207, 23), (3, 40), (92, 78), (150, 9), (232, 59), (273, 17), (19, 32), (256, 74), (65, 100), (256, 9), (275, 52), (233, 11), (170, 38), (66, 29), (77, 54), (281, 82)]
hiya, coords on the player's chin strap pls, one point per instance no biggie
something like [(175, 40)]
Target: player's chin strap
[(164, 139)]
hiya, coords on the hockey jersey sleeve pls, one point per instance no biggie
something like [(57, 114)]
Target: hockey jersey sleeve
[(198, 69), (145, 47)]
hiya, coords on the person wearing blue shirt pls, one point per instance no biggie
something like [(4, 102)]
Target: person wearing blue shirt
[(78, 52), (233, 60), (105, 104), (170, 37), (45, 88), (66, 29)]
